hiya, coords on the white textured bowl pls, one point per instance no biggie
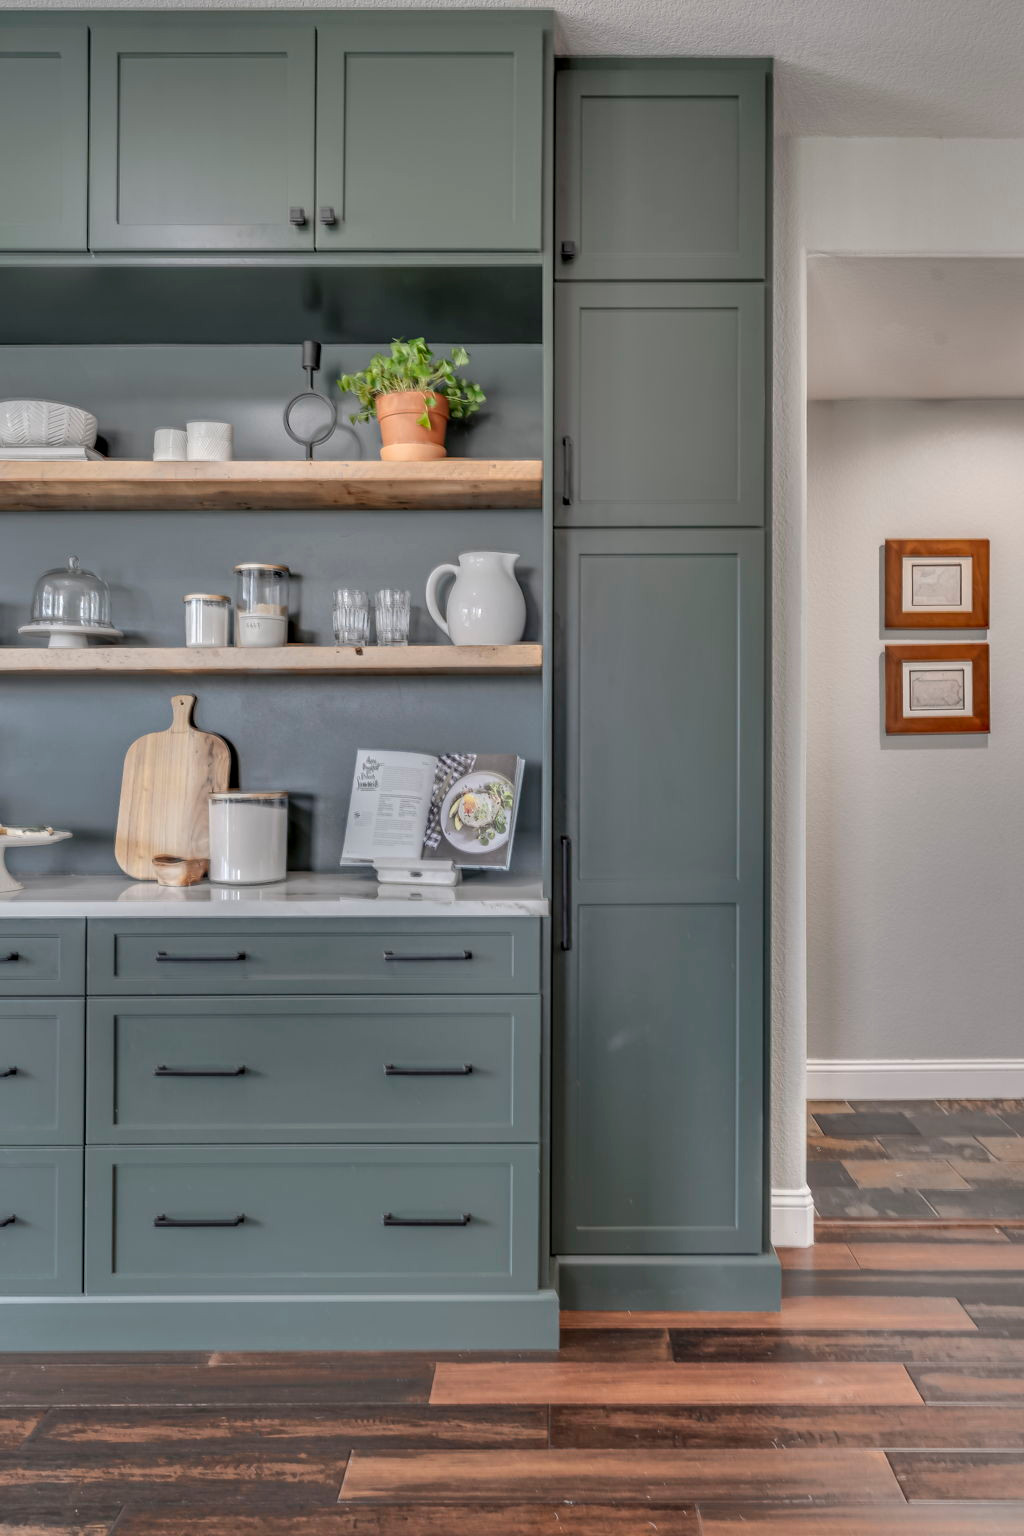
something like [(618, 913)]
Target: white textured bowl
[(45, 424)]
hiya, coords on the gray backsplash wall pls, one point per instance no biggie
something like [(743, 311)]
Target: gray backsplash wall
[(62, 739)]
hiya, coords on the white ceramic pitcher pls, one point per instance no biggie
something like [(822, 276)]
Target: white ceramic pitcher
[(485, 605)]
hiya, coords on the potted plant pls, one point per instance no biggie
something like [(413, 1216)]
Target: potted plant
[(413, 394)]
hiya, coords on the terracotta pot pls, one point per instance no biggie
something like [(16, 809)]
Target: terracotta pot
[(401, 435)]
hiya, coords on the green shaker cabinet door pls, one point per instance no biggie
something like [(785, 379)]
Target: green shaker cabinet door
[(659, 993), (44, 122), (660, 404), (42, 1070), (202, 135), (429, 134), (40, 1221), (661, 172)]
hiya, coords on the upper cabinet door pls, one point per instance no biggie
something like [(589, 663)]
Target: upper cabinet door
[(661, 173), (660, 404), (202, 135), (44, 130), (429, 134)]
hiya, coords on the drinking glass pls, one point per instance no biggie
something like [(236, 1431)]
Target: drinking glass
[(391, 610), (351, 616)]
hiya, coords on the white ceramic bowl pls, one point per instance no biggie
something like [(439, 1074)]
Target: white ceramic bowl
[(45, 424)]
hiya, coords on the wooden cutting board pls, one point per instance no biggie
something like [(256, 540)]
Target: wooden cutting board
[(168, 776)]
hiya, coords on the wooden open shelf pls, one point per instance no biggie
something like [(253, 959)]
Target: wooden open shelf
[(131, 485), (422, 660)]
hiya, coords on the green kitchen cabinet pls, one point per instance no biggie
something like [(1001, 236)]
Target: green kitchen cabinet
[(175, 1220), (40, 1221), (44, 130), (661, 171), (42, 1070), (298, 1069), (430, 133), (659, 802), (202, 134), (660, 404)]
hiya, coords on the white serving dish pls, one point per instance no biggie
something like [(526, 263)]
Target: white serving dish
[(45, 424), (20, 837), (72, 636)]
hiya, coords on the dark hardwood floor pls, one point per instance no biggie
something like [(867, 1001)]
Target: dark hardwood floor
[(887, 1399)]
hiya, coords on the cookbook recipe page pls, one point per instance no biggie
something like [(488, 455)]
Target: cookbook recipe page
[(387, 814)]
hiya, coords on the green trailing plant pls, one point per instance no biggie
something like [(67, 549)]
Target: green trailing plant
[(412, 365)]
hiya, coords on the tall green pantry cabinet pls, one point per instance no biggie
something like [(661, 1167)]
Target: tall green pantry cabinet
[(659, 1183)]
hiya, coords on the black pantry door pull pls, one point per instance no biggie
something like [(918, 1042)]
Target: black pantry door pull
[(392, 958), (8, 1221), (390, 1070), (566, 471), (568, 250), (10, 959), (226, 1221), (566, 896), (199, 1071), (388, 1220), (164, 957)]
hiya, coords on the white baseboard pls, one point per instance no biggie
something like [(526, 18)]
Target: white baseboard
[(915, 1079), (793, 1218)]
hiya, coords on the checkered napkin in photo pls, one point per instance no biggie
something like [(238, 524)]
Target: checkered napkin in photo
[(450, 768)]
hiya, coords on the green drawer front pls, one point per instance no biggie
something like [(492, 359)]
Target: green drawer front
[(314, 1069), (318, 955), (310, 1219), (40, 958), (40, 1221), (41, 1070)]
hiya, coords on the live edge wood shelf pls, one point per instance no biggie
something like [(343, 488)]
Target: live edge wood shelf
[(424, 660), (140, 486)]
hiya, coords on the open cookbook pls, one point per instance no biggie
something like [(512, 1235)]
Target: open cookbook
[(459, 808)]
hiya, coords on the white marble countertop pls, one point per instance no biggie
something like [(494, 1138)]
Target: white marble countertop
[(301, 895)]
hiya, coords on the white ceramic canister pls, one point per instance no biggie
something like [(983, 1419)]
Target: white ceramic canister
[(248, 837), (485, 604)]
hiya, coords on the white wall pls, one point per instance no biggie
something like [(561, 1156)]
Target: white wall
[(915, 874), (847, 197)]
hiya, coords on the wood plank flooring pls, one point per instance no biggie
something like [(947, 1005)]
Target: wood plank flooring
[(885, 1399)]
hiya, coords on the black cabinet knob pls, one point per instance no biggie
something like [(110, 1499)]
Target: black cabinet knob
[(328, 217), (568, 250), (297, 216)]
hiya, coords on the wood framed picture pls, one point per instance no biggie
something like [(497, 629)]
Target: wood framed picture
[(936, 689), (936, 583)]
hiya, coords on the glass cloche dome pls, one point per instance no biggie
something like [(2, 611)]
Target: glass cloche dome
[(71, 605)]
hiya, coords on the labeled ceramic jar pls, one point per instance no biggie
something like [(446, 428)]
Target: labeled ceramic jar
[(248, 837), (207, 619), (261, 604)]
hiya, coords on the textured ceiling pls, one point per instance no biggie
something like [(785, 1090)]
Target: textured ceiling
[(909, 328), (946, 68)]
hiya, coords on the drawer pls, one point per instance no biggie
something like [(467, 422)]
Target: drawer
[(316, 955), (40, 1221), (40, 958), (218, 1069), (42, 1070), (311, 1219)]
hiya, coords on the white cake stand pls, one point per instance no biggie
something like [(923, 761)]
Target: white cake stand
[(72, 636), (22, 837)]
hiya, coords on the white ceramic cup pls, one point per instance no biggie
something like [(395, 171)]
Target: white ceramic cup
[(212, 441), (169, 443)]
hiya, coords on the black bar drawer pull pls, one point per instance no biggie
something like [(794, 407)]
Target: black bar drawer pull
[(10, 959), (162, 955), (566, 896), (8, 1221), (390, 1070), (226, 1221), (199, 1071), (388, 1220), (9, 1072), (566, 471), (392, 958)]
